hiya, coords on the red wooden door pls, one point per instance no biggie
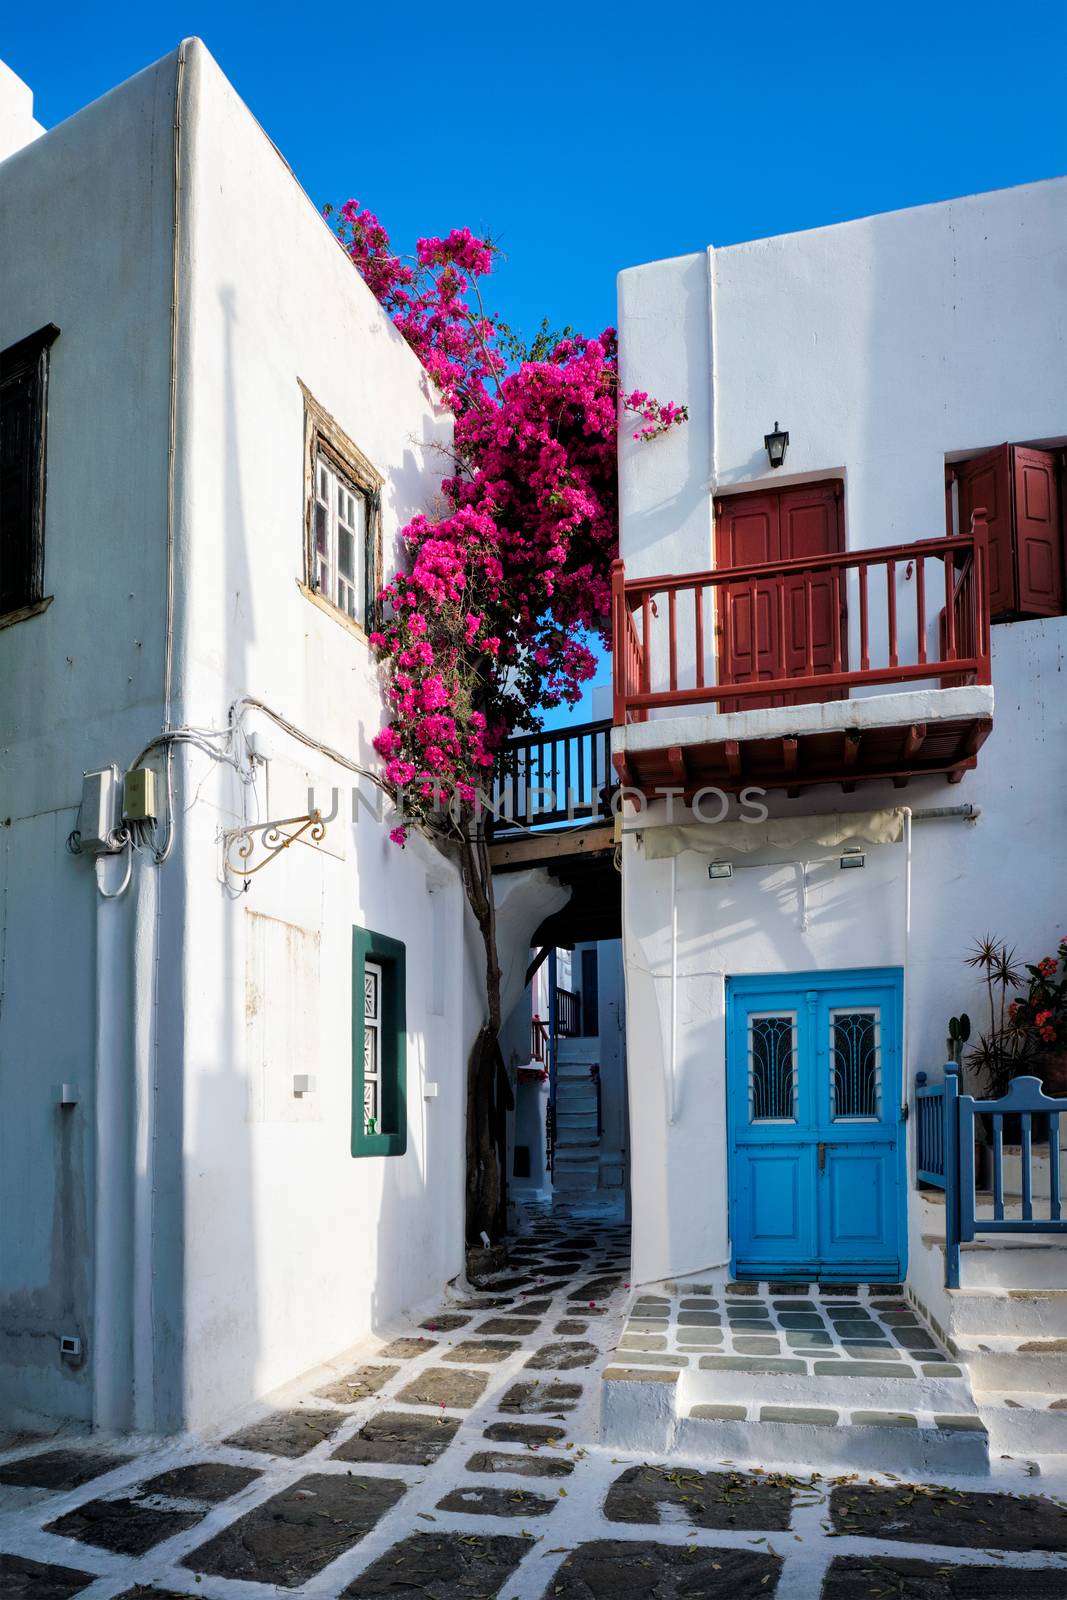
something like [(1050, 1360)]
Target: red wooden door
[(764, 627)]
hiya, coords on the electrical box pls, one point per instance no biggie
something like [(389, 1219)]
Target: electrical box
[(139, 795), (100, 813)]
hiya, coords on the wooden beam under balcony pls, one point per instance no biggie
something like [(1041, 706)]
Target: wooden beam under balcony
[(541, 849)]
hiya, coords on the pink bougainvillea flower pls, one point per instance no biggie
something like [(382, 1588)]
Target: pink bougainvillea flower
[(507, 589)]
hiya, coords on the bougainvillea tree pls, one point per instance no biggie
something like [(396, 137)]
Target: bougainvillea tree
[(492, 620)]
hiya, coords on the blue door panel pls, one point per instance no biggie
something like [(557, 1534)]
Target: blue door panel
[(816, 1155), (775, 1197)]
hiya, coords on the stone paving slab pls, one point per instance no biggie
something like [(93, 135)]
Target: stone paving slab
[(563, 1357), (442, 1566), (709, 1499), (406, 1349), (296, 1533), (528, 1433), (209, 1481), (126, 1526), (359, 1384), (524, 1466), (473, 1500), (439, 1386), (409, 1439), (482, 1352), (871, 1577), (538, 1395), (287, 1433), (22, 1579), (931, 1515), (610, 1569), (60, 1469)]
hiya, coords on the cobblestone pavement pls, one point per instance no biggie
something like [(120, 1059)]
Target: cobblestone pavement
[(457, 1460)]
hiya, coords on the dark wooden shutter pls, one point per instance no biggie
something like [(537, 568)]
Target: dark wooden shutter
[(986, 481), (23, 415), (17, 563), (1038, 532)]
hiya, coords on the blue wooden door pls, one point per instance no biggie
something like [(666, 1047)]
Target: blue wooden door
[(817, 1171)]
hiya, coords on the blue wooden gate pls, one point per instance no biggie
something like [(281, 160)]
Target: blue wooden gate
[(817, 1173), (946, 1135)]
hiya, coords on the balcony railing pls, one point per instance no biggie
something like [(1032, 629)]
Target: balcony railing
[(558, 775), (540, 1035), (812, 628), (568, 1014)]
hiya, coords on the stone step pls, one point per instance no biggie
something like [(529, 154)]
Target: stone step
[(700, 1384), (1006, 1362), (652, 1410), (573, 1179), (822, 1437), (1030, 1313), (1025, 1423)]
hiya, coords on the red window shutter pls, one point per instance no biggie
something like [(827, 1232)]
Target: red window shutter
[(1038, 532), (986, 481)]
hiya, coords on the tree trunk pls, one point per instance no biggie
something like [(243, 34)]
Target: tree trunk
[(485, 1188)]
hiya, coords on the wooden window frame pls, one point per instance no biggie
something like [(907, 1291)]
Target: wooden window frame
[(323, 436), (30, 357), (390, 956)]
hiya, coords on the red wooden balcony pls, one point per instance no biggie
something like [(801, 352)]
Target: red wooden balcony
[(858, 665)]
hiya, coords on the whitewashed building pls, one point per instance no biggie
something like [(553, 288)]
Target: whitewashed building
[(231, 1107), (798, 638)]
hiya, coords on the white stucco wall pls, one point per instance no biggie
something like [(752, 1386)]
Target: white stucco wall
[(293, 1249), (206, 1231), (18, 125), (883, 346), (80, 685)]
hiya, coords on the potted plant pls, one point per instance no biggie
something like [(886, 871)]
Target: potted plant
[(1027, 1030)]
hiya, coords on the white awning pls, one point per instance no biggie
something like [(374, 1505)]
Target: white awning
[(780, 833)]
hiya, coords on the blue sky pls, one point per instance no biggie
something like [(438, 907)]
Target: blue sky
[(588, 137)]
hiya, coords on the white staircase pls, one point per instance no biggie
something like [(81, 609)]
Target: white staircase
[(1007, 1324), (577, 1158)]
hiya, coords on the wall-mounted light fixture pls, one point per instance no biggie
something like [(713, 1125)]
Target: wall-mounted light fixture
[(720, 869), (776, 444), (853, 858)]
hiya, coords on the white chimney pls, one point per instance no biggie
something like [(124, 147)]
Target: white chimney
[(17, 123)]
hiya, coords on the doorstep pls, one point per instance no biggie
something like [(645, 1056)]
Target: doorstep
[(833, 1376)]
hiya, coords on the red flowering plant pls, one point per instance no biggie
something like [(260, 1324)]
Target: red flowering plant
[(493, 618), (1026, 1030)]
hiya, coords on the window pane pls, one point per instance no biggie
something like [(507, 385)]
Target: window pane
[(322, 532), (855, 1065), (346, 548), (370, 1105), (772, 1068), (371, 988)]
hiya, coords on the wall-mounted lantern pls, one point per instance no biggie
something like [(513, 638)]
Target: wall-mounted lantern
[(776, 444)]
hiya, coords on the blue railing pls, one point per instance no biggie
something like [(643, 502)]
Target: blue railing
[(946, 1135)]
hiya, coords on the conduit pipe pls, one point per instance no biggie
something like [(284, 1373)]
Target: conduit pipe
[(672, 1088)]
